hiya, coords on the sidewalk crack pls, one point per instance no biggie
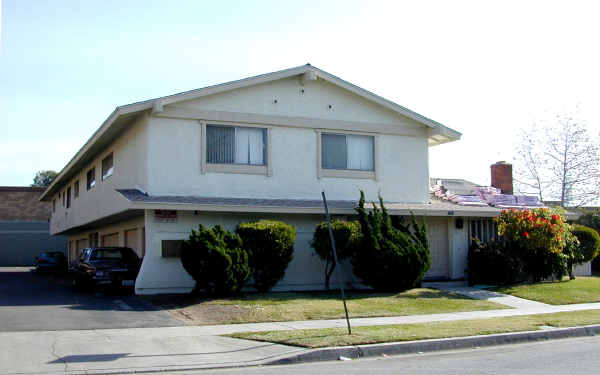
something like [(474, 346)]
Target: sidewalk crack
[(53, 352)]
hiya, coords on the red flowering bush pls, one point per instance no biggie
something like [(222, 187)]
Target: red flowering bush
[(534, 229), (541, 237)]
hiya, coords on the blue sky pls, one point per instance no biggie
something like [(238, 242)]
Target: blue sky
[(484, 69)]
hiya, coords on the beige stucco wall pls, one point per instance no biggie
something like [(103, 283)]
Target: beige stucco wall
[(166, 275), (175, 156), (314, 102), (130, 171), (162, 156)]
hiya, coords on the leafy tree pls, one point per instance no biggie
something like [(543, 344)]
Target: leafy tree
[(44, 178), (270, 246), (391, 257), (560, 162), (216, 260), (346, 235)]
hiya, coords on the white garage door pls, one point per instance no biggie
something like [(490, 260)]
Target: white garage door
[(437, 228), (110, 239)]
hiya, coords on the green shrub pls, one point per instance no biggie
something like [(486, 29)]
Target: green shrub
[(216, 260), (390, 257), (494, 263), (270, 245), (592, 220), (589, 242), (346, 235), (582, 246)]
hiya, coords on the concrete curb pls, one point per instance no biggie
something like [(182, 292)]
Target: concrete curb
[(411, 347), (373, 350)]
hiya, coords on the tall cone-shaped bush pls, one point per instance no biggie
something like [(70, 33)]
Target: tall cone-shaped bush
[(392, 256)]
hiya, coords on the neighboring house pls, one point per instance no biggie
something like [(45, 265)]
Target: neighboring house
[(24, 228), (261, 147)]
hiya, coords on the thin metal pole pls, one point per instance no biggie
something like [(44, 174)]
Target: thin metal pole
[(335, 258)]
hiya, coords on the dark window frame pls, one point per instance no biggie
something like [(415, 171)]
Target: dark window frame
[(91, 178), (108, 170)]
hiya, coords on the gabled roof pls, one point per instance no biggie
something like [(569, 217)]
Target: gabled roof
[(123, 115)]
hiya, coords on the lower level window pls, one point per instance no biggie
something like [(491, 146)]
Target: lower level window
[(235, 145), (347, 151)]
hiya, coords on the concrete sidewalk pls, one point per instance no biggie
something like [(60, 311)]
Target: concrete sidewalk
[(176, 348)]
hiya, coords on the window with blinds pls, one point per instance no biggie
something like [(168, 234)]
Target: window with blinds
[(347, 151), (236, 145)]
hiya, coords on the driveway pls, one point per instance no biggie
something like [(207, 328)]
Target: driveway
[(40, 302)]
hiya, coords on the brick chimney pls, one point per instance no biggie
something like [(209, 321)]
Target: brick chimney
[(502, 177)]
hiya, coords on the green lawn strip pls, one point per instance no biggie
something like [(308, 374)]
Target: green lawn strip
[(278, 307), (317, 338), (307, 306), (581, 290)]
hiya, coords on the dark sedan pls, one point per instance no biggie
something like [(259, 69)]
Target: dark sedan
[(51, 261), (107, 266)]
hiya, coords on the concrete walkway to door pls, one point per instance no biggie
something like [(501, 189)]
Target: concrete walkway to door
[(461, 287)]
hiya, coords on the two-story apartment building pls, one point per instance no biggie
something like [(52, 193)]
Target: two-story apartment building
[(261, 147)]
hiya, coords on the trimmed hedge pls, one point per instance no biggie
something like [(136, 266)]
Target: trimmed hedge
[(346, 234), (270, 246), (216, 260), (391, 257), (589, 242)]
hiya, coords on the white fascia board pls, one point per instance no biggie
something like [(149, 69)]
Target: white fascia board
[(223, 87), (418, 211)]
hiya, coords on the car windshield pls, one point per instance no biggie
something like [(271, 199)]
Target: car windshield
[(109, 254)]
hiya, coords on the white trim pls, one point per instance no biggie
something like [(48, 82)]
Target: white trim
[(254, 119), (203, 148), (237, 168)]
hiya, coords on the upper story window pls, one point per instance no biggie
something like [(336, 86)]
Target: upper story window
[(63, 198), (68, 197), (53, 205), (347, 151), (236, 145), (346, 155), (107, 166), (91, 178), (76, 189)]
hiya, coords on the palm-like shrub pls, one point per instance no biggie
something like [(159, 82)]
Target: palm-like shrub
[(216, 260), (390, 257)]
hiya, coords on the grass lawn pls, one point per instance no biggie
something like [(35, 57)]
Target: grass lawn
[(274, 307), (581, 290), (316, 338)]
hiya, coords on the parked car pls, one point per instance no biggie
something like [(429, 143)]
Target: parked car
[(51, 261), (106, 266)]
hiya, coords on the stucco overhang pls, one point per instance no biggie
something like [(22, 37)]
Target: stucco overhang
[(124, 115)]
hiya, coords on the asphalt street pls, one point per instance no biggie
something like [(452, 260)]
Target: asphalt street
[(47, 302), (579, 356)]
